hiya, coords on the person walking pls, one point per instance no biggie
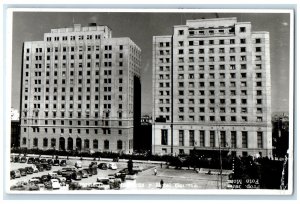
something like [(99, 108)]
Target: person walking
[(155, 171), (161, 183)]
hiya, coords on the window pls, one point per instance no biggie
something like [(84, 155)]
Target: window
[(223, 138), (35, 142), (192, 137), (242, 29), (164, 137), (119, 144), (45, 142), (24, 141), (244, 139), (233, 139), (86, 144), (106, 144), (180, 32), (181, 137), (212, 138), (259, 140), (202, 138)]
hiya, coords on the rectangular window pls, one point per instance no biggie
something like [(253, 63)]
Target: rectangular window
[(223, 138), (164, 137), (212, 139), (202, 138), (181, 137), (192, 137), (244, 139), (259, 140), (233, 139)]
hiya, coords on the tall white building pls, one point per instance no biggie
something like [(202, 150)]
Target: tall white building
[(212, 89), (80, 90)]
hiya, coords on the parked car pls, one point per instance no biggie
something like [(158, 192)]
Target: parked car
[(39, 167), (35, 180), (103, 180), (84, 173), (78, 164), (50, 161), (53, 175), (33, 187), (46, 166), (36, 160), (89, 171), (92, 164), (66, 171), (17, 159), (29, 170), (56, 162), (23, 160), (137, 169), (55, 184), (121, 176), (12, 174), (22, 172), (102, 166), (42, 161), (76, 175), (30, 160), (63, 163), (97, 186), (94, 170), (35, 169), (112, 166), (11, 159), (45, 178)]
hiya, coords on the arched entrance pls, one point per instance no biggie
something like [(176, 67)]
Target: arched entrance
[(70, 143), (62, 144), (78, 144)]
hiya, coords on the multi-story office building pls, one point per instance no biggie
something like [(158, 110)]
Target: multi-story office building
[(80, 91), (212, 89)]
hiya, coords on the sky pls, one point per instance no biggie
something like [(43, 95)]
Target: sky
[(141, 27)]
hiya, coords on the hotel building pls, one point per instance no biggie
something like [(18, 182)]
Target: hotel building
[(212, 89), (80, 91)]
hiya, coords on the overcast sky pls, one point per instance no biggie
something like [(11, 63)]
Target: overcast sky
[(141, 27)]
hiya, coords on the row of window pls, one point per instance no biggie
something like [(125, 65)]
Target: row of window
[(212, 138), (71, 146), (211, 31), (202, 84), (105, 131), (70, 122), (74, 37), (209, 110)]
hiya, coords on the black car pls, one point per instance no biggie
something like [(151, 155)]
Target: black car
[(12, 175), (36, 161), (56, 162), (29, 170), (63, 163), (39, 167), (103, 166), (23, 160), (89, 171), (50, 161), (45, 178), (17, 159), (76, 175), (92, 164), (46, 166), (30, 160), (22, 172), (43, 161)]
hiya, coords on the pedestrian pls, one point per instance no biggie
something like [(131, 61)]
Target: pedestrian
[(161, 165), (161, 183), (155, 171)]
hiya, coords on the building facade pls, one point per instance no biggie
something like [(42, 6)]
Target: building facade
[(80, 90), (212, 89)]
